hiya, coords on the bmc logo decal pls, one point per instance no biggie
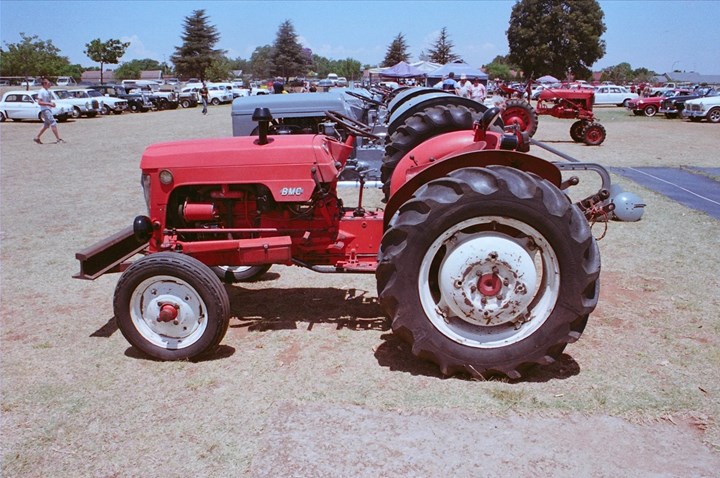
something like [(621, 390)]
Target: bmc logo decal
[(291, 191)]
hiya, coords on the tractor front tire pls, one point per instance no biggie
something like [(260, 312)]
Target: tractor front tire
[(594, 134), (171, 306), (522, 114), (232, 274), (488, 271)]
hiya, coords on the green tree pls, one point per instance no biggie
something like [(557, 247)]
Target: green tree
[(32, 57), (500, 68), (618, 74), (396, 52), (131, 69), (197, 53), (288, 58), (349, 68), (556, 37), (442, 50), (108, 52), (220, 69), (321, 66), (261, 64)]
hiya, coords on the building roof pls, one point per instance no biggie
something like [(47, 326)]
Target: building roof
[(687, 77), (93, 76), (151, 75)]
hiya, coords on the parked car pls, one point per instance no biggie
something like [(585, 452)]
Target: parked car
[(707, 107), (613, 95), (137, 102), (80, 106), (650, 105), (188, 99), (20, 105), (108, 104), (341, 81), (216, 95), (28, 82), (673, 107), (65, 81)]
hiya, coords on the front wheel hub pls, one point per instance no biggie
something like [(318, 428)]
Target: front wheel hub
[(486, 279)]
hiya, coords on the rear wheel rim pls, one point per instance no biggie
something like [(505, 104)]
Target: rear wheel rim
[(458, 285)]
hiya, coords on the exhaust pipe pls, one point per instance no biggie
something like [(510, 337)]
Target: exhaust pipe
[(263, 118)]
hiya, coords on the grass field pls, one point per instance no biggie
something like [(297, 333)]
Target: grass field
[(309, 381)]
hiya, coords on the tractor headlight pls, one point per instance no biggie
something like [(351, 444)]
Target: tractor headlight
[(145, 181)]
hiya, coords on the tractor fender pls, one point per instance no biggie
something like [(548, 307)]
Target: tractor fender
[(408, 94), (522, 161)]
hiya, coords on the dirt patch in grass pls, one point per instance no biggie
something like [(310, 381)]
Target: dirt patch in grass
[(309, 381)]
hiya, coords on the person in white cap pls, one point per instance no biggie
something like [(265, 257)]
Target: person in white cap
[(463, 87)]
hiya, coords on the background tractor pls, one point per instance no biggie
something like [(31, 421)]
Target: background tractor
[(566, 103), (483, 263)]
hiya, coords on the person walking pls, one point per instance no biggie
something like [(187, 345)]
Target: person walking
[(46, 103), (204, 97)]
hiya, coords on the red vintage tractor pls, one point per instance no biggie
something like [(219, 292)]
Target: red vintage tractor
[(483, 263), (561, 103)]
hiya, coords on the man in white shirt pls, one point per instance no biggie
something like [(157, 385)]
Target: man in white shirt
[(463, 87), (477, 91), (45, 100)]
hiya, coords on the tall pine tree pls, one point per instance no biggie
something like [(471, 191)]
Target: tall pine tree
[(442, 50), (197, 52), (288, 58), (396, 52)]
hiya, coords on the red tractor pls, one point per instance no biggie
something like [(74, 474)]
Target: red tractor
[(483, 263), (560, 103)]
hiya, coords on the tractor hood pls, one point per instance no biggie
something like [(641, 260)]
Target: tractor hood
[(286, 160)]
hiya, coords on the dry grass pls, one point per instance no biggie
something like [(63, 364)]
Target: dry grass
[(78, 401)]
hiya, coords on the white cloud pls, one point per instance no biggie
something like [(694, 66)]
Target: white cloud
[(138, 51)]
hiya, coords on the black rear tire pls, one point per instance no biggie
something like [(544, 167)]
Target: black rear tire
[(445, 281), (576, 131), (522, 114)]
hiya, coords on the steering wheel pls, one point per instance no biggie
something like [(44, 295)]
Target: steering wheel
[(354, 126), (364, 98)]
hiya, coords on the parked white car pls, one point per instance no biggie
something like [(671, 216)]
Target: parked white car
[(20, 105), (235, 91), (80, 106), (613, 95), (66, 81), (108, 104), (707, 107), (216, 95)]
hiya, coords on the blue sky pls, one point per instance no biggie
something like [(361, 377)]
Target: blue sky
[(659, 35)]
